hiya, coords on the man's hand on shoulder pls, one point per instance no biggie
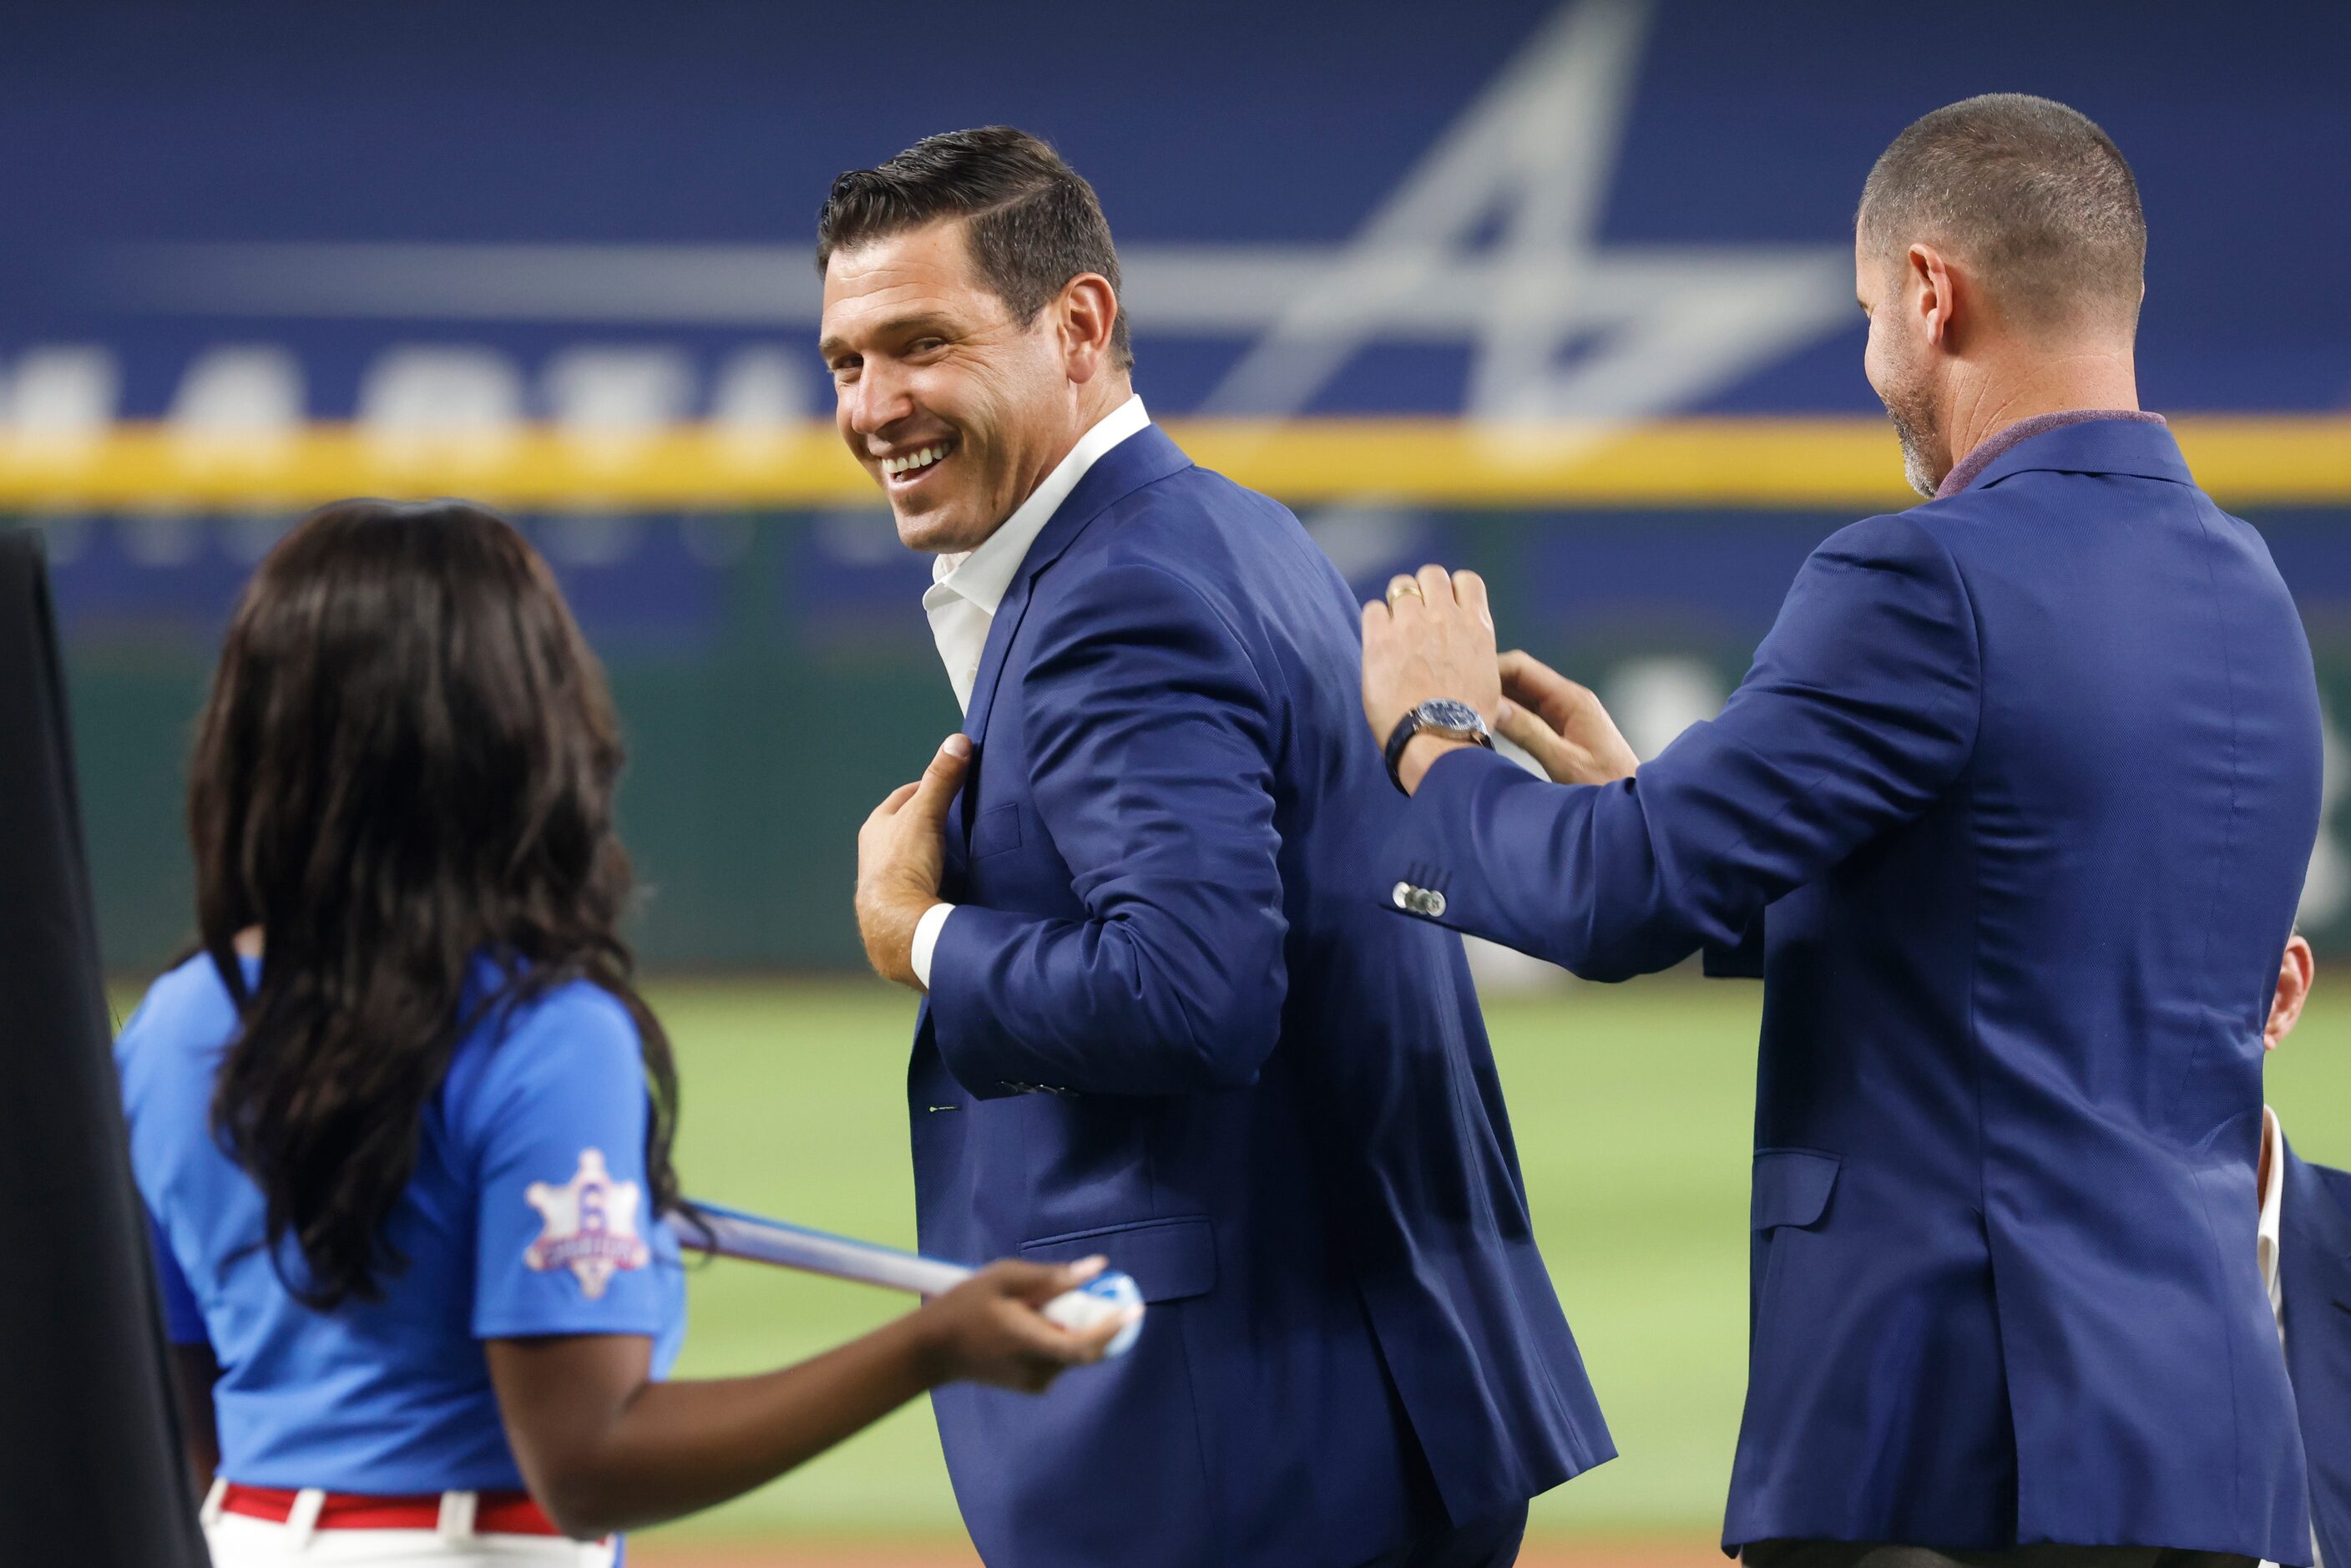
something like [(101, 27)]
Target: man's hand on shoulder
[(902, 858), (1561, 725), (1431, 637)]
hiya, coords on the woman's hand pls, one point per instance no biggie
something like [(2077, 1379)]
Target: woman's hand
[(1561, 725), (603, 1445), (989, 1328)]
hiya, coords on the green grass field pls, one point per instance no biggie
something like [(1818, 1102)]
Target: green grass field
[(1632, 1106)]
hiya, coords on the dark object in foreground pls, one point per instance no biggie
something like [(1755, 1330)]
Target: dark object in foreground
[(90, 1463)]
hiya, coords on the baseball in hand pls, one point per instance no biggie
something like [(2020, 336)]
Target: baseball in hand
[(1103, 1297)]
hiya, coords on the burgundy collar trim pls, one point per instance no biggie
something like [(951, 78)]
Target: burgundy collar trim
[(1992, 447)]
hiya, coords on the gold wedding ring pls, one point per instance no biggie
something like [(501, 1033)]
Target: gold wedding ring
[(1400, 586)]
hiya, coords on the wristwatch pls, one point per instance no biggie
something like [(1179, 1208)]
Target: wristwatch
[(1444, 716)]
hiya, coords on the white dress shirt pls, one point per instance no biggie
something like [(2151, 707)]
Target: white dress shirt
[(2272, 1213), (967, 588)]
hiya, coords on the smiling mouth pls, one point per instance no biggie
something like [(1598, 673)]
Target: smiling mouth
[(911, 468)]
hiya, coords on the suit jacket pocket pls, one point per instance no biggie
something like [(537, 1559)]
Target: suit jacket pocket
[(1791, 1195), (1792, 1186), (1170, 1259), (998, 829)]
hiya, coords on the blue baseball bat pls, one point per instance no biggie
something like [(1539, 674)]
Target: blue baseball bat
[(725, 1232)]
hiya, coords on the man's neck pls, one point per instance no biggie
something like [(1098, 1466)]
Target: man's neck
[(1989, 402), (1092, 415), (1096, 402)]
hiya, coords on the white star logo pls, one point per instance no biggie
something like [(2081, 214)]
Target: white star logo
[(591, 1226)]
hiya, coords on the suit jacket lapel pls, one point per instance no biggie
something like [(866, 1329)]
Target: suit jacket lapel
[(1141, 459), (2315, 1273)]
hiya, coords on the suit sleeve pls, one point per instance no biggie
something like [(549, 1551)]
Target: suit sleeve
[(1860, 708), (1741, 962), (1151, 740)]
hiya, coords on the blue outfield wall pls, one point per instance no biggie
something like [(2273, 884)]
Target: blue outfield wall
[(723, 634), (263, 217), (341, 184)]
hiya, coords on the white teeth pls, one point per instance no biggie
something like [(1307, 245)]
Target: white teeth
[(913, 460)]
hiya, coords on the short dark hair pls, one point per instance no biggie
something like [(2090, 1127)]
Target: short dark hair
[(2033, 192), (1033, 222)]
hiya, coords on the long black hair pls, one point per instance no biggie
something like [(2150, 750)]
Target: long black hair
[(405, 767)]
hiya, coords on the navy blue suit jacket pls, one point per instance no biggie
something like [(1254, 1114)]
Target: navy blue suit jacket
[(1163, 1026), (2314, 1268), (2028, 777)]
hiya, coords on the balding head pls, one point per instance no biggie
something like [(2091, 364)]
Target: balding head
[(2031, 196)]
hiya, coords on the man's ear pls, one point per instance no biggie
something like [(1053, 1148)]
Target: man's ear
[(1934, 294), (2295, 972), (1088, 309)]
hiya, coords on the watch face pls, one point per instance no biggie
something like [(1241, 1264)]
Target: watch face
[(1447, 714)]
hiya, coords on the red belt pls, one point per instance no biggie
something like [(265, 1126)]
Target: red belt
[(494, 1512)]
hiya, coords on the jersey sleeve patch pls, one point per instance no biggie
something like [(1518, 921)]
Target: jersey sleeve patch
[(589, 1226)]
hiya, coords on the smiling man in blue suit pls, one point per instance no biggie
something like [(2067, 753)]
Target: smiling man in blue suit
[(2016, 802), (1160, 1025)]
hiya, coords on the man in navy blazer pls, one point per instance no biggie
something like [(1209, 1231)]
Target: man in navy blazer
[(2016, 802), (2304, 1247), (1160, 1025), (2314, 1282)]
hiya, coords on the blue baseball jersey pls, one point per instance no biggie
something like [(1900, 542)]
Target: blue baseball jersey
[(527, 1215)]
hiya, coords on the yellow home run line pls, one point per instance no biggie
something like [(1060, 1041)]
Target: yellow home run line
[(1830, 464)]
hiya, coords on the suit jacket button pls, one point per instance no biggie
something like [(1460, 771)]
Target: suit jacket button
[(1424, 900)]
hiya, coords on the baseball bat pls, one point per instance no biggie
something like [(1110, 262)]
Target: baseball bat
[(725, 1232)]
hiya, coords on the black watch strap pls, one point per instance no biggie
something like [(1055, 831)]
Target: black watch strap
[(1418, 719)]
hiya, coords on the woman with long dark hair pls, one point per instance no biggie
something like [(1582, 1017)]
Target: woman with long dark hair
[(403, 1126)]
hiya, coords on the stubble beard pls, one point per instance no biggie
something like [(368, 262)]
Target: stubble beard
[(1912, 410)]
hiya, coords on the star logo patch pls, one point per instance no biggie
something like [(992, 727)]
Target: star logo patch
[(591, 1225)]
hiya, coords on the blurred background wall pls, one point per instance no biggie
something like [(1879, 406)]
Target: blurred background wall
[(1560, 291)]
